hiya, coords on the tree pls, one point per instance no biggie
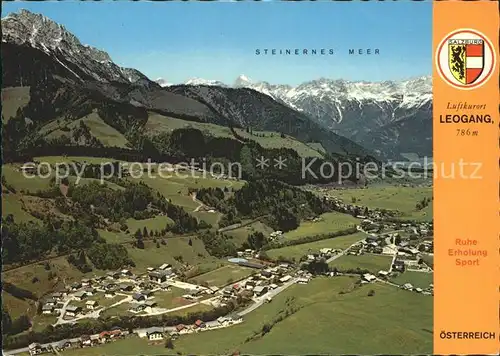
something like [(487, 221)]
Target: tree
[(145, 232), (169, 344), (190, 242)]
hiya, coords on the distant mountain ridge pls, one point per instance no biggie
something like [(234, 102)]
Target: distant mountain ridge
[(381, 116), (71, 81)]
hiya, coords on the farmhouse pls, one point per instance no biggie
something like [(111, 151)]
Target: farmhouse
[(383, 273), (326, 251), (159, 277), (266, 273), (58, 307), (199, 324), (35, 349), (47, 309), (155, 335), (303, 280), (147, 293), (57, 296), (126, 287), (138, 308), (285, 279), (126, 272), (73, 310), (85, 282), (180, 327), (260, 290), (80, 295), (109, 294), (139, 297), (51, 302), (113, 275), (407, 286), (90, 291), (85, 339), (92, 304), (369, 277), (165, 266), (150, 304)]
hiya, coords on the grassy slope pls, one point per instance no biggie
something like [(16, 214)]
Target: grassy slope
[(223, 275), (267, 139), (240, 235), (14, 98), (326, 323), (417, 279), (331, 222), (371, 262), (106, 134), (403, 199), (298, 251)]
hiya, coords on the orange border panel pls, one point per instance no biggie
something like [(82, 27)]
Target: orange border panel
[(466, 298)]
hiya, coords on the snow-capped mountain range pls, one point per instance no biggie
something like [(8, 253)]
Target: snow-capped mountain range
[(388, 117), (362, 111)]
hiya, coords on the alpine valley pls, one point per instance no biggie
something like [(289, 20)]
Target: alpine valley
[(391, 118), (58, 92), (142, 216)]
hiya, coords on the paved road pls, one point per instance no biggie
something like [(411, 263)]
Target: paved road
[(333, 258), (261, 300)]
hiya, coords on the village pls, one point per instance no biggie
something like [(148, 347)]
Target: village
[(143, 294), (160, 290)]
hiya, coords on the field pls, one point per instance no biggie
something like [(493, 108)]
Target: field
[(16, 179), (403, 199), (267, 139), (176, 188), (371, 262), (14, 98), (156, 223), (319, 321), (209, 218), (159, 123), (23, 277), (330, 222), (297, 251), (417, 279), (12, 204), (240, 235), (82, 159), (177, 252), (170, 299), (223, 276), (106, 134)]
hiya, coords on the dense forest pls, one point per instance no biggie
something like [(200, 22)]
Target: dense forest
[(24, 242), (283, 204)]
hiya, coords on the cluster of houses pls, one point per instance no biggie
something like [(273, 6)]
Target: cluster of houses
[(275, 235), (427, 291), (158, 333), (81, 342), (123, 281), (261, 283), (323, 253)]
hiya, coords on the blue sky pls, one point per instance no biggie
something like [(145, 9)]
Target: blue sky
[(181, 40)]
